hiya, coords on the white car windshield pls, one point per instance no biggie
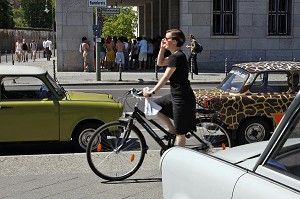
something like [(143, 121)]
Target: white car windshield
[(235, 80)]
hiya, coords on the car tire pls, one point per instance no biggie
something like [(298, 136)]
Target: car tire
[(82, 135), (253, 130)]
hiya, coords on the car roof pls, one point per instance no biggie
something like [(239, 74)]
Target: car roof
[(254, 67), (21, 70)]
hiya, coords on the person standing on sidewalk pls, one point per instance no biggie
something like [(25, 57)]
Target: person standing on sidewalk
[(180, 104), (24, 51), (48, 45), (85, 47), (120, 59), (193, 54), (110, 53), (143, 52), (18, 50), (44, 47), (33, 48)]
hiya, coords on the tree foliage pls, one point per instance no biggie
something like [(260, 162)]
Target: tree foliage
[(32, 13), (6, 15), (123, 24)]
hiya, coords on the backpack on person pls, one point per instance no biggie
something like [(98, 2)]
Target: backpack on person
[(198, 48), (80, 48)]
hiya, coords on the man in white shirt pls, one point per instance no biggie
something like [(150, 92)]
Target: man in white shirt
[(48, 45), (44, 47)]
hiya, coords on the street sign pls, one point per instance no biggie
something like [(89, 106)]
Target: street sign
[(97, 3), (109, 10), (97, 30), (97, 27)]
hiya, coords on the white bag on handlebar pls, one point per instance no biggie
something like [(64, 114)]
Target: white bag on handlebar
[(151, 109)]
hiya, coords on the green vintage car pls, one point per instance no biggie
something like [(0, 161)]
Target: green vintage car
[(34, 107)]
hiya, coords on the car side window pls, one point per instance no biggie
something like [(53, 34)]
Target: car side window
[(287, 158), (23, 88), (269, 82)]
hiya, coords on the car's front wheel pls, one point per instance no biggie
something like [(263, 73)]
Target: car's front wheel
[(82, 135), (253, 130)]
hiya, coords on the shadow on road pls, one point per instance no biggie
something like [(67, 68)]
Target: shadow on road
[(131, 181), (33, 148)]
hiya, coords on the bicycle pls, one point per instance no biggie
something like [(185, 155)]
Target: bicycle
[(123, 146)]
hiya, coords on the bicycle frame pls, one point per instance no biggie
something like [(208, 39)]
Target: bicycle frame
[(139, 115)]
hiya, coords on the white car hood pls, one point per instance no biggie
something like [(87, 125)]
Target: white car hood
[(244, 155)]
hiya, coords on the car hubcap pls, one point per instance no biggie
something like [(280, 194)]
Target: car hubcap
[(255, 133), (85, 138)]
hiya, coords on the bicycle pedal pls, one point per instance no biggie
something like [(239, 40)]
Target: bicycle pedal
[(188, 135), (167, 137)]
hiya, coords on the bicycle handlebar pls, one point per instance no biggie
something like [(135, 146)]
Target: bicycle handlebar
[(135, 92)]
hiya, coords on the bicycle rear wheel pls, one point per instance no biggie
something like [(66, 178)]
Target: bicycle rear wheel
[(211, 136), (119, 152)]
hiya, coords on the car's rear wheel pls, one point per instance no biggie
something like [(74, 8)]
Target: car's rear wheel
[(82, 135), (253, 130)]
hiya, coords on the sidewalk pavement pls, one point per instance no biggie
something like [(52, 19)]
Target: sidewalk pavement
[(113, 78)]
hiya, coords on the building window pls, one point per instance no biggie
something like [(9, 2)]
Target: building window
[(279, 17), (224, 17)]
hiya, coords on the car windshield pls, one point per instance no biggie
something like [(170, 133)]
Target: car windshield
[(235, 80), (57, 88)]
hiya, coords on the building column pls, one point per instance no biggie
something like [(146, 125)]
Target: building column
[(164, 16), (155, 18), (174, 14), (148, 20), (141, 28)]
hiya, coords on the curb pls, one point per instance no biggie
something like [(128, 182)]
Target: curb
[(128, 83)]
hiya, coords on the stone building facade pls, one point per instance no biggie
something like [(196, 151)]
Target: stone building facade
[(239, 30)]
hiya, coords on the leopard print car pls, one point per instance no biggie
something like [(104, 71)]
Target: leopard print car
[(253, 97)]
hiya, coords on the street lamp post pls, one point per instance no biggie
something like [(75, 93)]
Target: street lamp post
[(53, 18)]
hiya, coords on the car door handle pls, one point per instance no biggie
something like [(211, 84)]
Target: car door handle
[(3, 107)]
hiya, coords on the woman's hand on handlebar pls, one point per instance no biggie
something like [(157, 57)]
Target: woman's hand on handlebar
[(147, 93)]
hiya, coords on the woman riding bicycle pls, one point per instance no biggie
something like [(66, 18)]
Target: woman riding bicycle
[(180, 104)]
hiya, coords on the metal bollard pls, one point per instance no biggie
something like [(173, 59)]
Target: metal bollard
[(226, 67), (54, 72), (6, 56), (39, 53), (120, 70), (12, 54), (156, 72), (192, 64), (294, 59)]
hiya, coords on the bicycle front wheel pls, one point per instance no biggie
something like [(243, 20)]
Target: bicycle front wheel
[(211, 136), (119, 152)]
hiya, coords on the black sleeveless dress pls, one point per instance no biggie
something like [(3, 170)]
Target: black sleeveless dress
[(180, 105)]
